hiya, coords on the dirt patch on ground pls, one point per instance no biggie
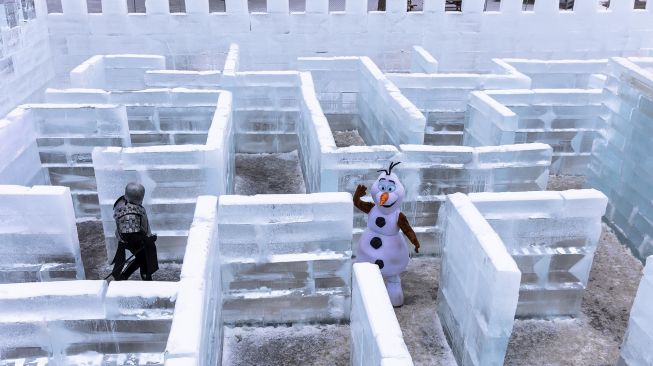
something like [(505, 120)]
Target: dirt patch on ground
[(564, 182), (268, 174), (594, 337), (94, 256), (318, 345), (348, 138), (418, 319), (94, 253)]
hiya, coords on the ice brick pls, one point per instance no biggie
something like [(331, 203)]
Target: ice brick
[(52, 301)]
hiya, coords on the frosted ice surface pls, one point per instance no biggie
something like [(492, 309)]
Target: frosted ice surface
[(375, 334), (131, 299), (636, 349), (38, 234), (552, 236), (285, 257), (567, 119), (65, 300), (479, 286), (621, 163)]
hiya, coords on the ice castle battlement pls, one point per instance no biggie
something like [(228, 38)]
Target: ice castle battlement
[(45, 45)]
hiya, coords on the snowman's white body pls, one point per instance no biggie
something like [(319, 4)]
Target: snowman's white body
[(382, 243)]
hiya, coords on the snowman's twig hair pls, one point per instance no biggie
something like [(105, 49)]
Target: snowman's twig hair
[(389, 170)]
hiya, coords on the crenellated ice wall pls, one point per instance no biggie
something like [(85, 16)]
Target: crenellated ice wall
[(460, 41), (38, 236)]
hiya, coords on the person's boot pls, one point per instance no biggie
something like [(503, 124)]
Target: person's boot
[(396, 294)]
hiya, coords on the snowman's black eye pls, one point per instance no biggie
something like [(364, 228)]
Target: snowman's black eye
[(382, 187), (391, 188)]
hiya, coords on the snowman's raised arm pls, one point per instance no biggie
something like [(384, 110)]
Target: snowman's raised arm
[(360, 204), (405, 227)]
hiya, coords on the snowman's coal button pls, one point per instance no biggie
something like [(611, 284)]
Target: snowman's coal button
[(376, 242), (380, 222), (379, 263)]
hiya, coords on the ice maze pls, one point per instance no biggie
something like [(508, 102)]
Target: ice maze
[(250, 131)]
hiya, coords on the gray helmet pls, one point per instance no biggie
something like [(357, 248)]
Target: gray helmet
[(134, 193)]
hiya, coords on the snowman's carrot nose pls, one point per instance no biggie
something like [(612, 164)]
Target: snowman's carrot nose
[(384, 198)]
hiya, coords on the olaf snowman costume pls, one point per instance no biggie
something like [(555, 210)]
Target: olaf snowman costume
[(381, 243)]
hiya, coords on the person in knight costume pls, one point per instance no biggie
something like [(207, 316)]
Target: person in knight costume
[(133, 233), (381, 243)]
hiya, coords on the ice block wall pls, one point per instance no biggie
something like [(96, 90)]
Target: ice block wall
[(562, 74), (376, 338), (285, 258), (20, 163), (196, 333), (38, 235), (442, 97), (430, 172), (636, 349), (567, 119), (421, 61), (336, 83), (387, 117), (159, 116), (26, 64), (479, 286), (66, 135), (621, 165), (314, 135), (115, 72), (355, 94), (266, 110), (182, 79), (75, 322), (552, 236), (460, 41), (173, 176)]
